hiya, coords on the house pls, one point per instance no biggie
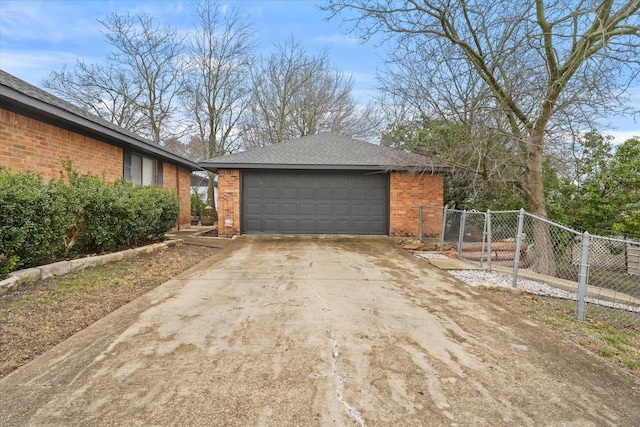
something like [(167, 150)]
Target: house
[(200, 188), (38, 129), (325, 184)]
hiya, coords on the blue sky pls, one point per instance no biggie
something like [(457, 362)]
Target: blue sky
[(40, 36)]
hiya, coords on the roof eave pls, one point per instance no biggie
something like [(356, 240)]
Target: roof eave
[(215, 166)]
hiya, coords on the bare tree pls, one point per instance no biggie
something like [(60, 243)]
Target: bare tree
[(217, 86), (298, 94), (435, 108), (105, 91), (544, 65), (137, 86), (149, 53), (216, 89)]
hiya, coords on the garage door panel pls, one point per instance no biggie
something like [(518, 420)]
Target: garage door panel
[(360, 226), (376, 225), (253, 209), (359, 194), (341, 226), (360, 210), (306, 181), (289, 193), (289, 209), (268, 224), (324, 209), (270, 193), (254, 224), (342, 181), (270, 181), (306, 193), (311, 202), (325, 226), (324, 194), (306, 209), (286, 226), (342, 210), (377, 212), (342, 194), (307, 226), (375, 194), (253, 192), (271, 209)]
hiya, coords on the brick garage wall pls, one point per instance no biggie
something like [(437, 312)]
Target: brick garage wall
[(228, 202), (178, 178), (31, 145), (407, 191)]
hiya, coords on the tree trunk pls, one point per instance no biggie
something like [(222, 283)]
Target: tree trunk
[(543, 260)]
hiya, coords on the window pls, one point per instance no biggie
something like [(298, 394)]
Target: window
[(142, 170)]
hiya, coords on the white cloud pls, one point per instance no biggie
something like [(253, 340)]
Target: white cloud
[(621, 136)]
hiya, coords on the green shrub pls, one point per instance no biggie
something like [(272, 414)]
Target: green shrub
[(32, 219), (7, 266), (197, 205), (78, 213), (107, 217)]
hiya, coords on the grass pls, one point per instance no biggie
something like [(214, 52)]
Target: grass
[(609, 333)]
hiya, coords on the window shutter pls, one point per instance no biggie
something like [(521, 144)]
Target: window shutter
[(160, 180), (127, 165)]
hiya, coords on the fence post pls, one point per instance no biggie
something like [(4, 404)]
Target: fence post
[(444, 227), (488, 240), (461, 233), (420, 225), (582, 277), (516, 258)]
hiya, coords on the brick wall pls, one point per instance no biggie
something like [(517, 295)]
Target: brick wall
[(228, 202), (407, 191), (27, 144), (178, 178)]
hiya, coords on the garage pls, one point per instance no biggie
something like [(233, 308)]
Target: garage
[(314, 202), (325, 184)]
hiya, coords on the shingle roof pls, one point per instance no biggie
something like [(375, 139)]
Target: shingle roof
[(325, 151), (28, 98)]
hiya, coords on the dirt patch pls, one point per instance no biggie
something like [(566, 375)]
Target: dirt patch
[(39, 315)]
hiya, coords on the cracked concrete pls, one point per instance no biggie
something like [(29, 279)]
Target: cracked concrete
[(317, 331), (353, 412)]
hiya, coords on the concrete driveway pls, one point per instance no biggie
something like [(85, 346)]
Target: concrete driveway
[(317, 331)]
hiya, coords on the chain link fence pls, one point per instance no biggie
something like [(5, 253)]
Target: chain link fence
[(600, 273)]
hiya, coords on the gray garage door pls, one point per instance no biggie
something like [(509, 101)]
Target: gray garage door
[(314, 202)]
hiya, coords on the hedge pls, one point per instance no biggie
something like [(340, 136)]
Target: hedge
[(76, 214)]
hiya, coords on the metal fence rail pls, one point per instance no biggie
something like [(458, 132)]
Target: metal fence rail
[(598, 272)]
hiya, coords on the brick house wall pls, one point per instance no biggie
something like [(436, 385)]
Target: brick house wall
[(31, 145), (228, 202), (407, 191), (28, 144), (179, 178)]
